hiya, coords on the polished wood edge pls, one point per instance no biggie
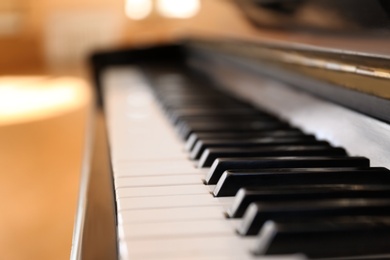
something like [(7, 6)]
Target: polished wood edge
[(95, 234), (83, 190)]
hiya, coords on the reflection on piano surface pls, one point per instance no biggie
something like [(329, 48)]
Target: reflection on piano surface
[(246, 150)]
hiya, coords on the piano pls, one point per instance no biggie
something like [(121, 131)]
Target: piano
[(251, 148)]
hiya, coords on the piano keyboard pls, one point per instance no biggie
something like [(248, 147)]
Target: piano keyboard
[(233, 182)]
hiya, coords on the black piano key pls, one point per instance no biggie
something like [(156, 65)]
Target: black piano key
[(232, 180), (211, 112), (228, 118), (195, 137), (335, 238), (201, 145), (223, 164), (169, 108), (211, 154), (175, 116), (200, 102), (170, 92), (254, 115), (233, 127), (258, 213), (182, 95), (188, 91), (185, 127), (246, 196), (187, 101)]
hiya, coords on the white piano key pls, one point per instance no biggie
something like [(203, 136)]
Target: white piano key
[(153, 168), (176, 229), (153, 149), (225, 245), (167, 202), (161, 191), (142, 251), (155, 154), (211, 187), (174, 201), (155, 172), (122, 182), (161, 164), (170, 214), (225, 201)]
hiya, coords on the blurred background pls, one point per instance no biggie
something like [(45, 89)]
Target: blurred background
[(44, 113), (54, 36)]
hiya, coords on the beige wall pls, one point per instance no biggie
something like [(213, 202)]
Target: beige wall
[(60, 33), (25, 50)]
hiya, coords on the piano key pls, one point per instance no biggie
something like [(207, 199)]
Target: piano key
[(124, 182), (252, 116), (185, 94), (171, 201), (201, 145), (343, 238), (186, 126), (258, 213), (183, 127), (204, 227), (246, 196), (232, 181), (172, 103), (161, 190), (210, 112), (176, 115), (223, 164), (188, 90), (185, 85), (315, 149), (229, 246), (227, 118), (209, 107), (170, 214), (211, 154), (217, 127), (190, 96), (154, 168), (190, 87), (195, 101), (194, 137)]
